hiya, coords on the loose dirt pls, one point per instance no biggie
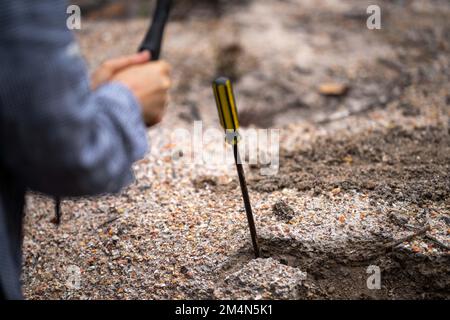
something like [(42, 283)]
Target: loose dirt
[(363, 182)]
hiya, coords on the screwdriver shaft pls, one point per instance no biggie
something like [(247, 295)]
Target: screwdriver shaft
[(58, 210), (246, 197)]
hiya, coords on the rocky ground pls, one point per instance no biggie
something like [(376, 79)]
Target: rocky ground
[(363, 177)]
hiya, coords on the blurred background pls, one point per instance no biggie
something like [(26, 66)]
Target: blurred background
[(292, 60)]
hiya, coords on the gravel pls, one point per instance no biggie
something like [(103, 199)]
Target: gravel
[(180, 231)]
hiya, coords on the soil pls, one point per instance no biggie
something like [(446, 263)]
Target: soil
[(363, 179), (391, 165)]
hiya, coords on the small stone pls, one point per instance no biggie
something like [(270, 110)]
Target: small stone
[(348, 159), (204, 182), (333, 89), (224, 180), (398, 218), (184, 270), (283, 211), (446, 219), (336, 191)]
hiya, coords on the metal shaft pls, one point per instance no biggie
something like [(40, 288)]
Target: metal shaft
[(58, 210), (246, 197)]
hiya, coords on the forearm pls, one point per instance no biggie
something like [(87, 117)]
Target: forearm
[(83, 149)]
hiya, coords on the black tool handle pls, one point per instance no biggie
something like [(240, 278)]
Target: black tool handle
[(153, 40)]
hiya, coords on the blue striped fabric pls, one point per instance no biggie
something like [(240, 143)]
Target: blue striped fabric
[(56, 135)]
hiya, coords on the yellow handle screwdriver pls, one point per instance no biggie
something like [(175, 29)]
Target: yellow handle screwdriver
[(226, 107)]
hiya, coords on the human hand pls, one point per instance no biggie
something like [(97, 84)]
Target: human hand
[(150, 83), (108, 69)]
